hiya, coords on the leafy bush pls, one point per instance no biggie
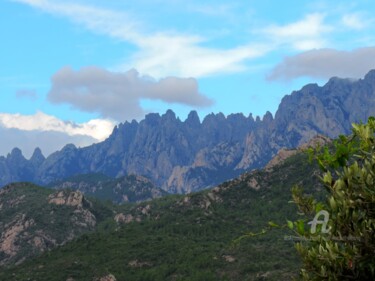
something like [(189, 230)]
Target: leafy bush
[(343, 246)]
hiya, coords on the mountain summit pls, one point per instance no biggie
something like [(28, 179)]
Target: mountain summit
[(185, 156)]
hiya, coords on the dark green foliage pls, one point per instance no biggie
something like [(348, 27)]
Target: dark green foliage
[(188, 237), (346, 251)]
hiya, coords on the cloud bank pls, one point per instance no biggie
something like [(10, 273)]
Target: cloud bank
[(325, 63), (96, 128), (117, 95), (48, 132)]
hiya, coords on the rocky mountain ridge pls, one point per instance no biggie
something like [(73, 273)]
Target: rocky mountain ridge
[(185, 156), (120, 190)]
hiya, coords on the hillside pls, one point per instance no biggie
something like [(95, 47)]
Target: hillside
[(120, 190), (186, 156), (34, 219), (189, 237)]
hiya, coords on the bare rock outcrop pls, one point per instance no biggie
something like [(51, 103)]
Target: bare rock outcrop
[(74, 198), (281, 156), (109, 277), (9, 238), (124, 218)]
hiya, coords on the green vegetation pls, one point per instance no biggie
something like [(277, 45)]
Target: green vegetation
[(188, 237), (344, 248)]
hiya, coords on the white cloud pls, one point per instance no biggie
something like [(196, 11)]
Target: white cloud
[(160, 54), (113, 23), (184, 57), (117, 95), (354, 21), (97, 129), (326, 63), (304, 34)]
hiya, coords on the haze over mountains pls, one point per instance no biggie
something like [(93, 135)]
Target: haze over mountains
[(185, 156)]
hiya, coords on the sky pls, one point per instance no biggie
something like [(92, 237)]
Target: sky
[(71, 70)]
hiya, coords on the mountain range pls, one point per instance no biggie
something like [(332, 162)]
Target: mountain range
[(186, 156)]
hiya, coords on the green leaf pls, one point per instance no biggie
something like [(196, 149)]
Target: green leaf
[(300, 227), (290, 224), (327, 178), (272, 224), (332, 203), (318, 207)]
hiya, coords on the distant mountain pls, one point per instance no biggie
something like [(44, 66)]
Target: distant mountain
[(176, 237), (130, 188), (187, 156)]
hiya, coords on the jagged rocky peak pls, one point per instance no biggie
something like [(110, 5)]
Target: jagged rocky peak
[(37, 155), (193, 119), (338, 87), (267, 118), (151, 119), (251, 118), (237, 118), (127, 124), (15, 154), (334, 80), (312, 87), (69, 147), (370, 76), (123, 128), (169, 115), (116, 129), (213, 118), (37, 158)]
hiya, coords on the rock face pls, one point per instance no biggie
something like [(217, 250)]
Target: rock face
[(186, 156), (74, 199)]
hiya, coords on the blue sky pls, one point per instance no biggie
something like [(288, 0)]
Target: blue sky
[(71, 70)]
